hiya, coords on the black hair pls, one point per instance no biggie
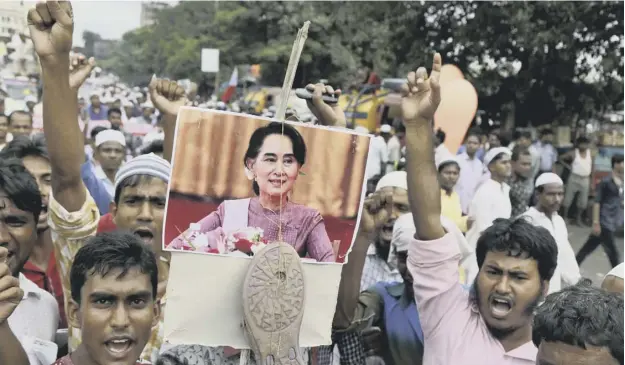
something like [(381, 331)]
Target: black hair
[(155, 146), (113, 110), (447, 163), (616, 159), (440, 135), (130, 182), (581, 315), (21, 147), (169, 359), (110, 251), (20, 186), (96, 130), (582, 140), (519, 238), (546, 132), (258, 138), (519, 151), (20, 112), (401, 128), (473, 133)]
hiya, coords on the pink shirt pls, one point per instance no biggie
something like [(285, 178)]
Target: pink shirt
[(454, 330), (302, 227)]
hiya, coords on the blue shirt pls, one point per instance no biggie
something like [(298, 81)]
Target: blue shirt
[(95, 187)]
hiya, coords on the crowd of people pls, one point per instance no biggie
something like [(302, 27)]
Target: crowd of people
[(458, 259)]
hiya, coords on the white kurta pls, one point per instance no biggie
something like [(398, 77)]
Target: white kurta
[(567, 271), (471, 171), (491, 201)]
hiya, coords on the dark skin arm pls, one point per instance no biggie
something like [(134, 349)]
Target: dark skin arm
[(375, 213), (420, 99), (51, 25)]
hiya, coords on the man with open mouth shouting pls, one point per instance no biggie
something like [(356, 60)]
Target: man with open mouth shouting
[(114, 281), (491, 326), (140, 185)]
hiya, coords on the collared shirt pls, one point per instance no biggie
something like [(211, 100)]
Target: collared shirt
[(106, 182), (36, 317), (452, 210), (471, 171), (567, 270), (609, 196), (95, 187), (101, 115), (548, 156), (371, 310), (50, 281), (521, 191), (491, 201), (377, 269), (454, 330)]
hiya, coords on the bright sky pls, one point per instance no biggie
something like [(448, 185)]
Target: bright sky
[(110, 19)]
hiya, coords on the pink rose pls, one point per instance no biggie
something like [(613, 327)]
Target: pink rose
[(217, 240), (244, 245)]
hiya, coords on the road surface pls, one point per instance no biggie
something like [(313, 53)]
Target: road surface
[(596, 265)]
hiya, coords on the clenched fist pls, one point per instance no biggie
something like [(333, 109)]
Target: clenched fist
[(376, 211), (166, 95), (51, 25), (421, 95), (330, 115), (10, 293)]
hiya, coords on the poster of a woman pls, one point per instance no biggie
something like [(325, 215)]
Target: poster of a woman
[(272, 163)]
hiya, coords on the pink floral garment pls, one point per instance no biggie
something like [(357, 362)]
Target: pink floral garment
[(302, 227)]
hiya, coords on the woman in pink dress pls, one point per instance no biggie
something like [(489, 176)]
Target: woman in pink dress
[(274, 157)]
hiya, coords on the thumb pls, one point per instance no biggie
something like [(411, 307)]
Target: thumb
[(3, 254), (152, 87), (61, 12)]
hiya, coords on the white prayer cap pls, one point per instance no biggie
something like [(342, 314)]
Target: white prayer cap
[(616, 271), (494, 152), (396, 179), (110, 135), (385, 128), (548, 178), (361, 129), (30, 98), (447, 159)]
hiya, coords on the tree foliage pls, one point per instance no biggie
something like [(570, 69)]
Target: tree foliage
[(531, 62)]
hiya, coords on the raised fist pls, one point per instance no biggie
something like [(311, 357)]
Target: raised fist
[(166, 95), (377, 210), (421, 95), (10, 293), (51, 25)]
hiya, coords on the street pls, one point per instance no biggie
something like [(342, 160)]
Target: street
[(596, 264)]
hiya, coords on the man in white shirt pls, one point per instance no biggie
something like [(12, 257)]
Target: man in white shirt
[(110, 151), (394, 146), (492, 198), (35, 319), (377, 159), (550, 192), (471, 170)]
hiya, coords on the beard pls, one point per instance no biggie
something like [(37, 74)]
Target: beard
[(528, 311)]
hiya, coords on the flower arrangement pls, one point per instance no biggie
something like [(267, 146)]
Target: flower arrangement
[(245, 242)]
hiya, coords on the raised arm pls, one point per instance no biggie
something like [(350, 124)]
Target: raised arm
[(167, 96), (420, 99), (51, 25)]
